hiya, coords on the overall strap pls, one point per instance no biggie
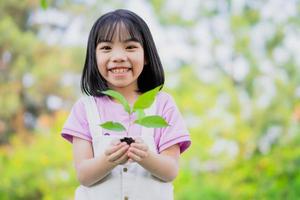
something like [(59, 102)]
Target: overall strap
[(93, 116), (150, 111)]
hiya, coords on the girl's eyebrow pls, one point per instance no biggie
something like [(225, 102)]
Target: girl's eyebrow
[(124, 41), (109, 41), (130, 40)]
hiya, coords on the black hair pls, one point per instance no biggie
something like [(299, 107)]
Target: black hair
[(92, 83)]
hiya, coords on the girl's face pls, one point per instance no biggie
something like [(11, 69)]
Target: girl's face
[(120, 61)]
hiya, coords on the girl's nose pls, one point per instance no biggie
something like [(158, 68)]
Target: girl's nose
[(118, 56)]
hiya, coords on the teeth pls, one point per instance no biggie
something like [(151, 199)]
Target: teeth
[(119, 70)]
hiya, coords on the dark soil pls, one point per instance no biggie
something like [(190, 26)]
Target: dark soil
[(128, 140)]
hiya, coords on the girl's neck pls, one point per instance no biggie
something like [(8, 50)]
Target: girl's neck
[(129, 94)]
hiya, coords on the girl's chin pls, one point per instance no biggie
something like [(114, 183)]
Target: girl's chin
[(122, 84)]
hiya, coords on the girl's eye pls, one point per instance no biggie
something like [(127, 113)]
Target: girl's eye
[(105, 48), (131, 47)]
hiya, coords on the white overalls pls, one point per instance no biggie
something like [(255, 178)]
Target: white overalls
[(125, 182)]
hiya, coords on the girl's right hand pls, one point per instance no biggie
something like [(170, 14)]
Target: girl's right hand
[(117, 152)]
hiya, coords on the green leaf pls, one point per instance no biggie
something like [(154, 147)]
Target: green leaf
[(119, 97), (145, 100), (140, 114), (44, 4), (113, 126), (153, 121)]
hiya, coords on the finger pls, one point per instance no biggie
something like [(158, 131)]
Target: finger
[(141, 146), (113, 149), (118, 154), (134, 157), (123, 159), (138, 152)]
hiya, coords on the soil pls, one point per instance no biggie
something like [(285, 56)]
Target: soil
[(128, 140)]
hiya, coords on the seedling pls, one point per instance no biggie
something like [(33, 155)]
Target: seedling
[(143, 102)]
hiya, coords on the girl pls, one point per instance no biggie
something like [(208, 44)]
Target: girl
[(121, 55)]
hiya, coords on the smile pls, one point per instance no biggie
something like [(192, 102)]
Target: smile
[(119, 70)]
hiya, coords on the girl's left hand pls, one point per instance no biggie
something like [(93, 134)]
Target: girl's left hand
[(138, 150)]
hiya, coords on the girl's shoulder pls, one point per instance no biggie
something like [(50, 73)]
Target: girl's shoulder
[(165, 101), (164, 97)]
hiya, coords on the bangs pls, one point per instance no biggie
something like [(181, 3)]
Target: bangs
[(123, 29)]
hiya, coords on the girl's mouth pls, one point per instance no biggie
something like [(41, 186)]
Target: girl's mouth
[(119, 70)]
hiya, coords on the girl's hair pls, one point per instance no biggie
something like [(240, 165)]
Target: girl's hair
[(92, 83)]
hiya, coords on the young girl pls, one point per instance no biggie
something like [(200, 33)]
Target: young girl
[(121, 55)]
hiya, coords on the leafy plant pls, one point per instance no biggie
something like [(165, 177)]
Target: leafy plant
[(44, 4), (143, 102)]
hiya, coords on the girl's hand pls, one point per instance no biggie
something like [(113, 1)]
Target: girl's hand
[(117, 152), (138, 150)]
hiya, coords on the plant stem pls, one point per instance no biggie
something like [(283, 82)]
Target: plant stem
[(127, 133)]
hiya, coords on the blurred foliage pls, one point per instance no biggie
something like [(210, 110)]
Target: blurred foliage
[(31, 71), (44, 4), (234, 152), (251, 175), (39, 166)]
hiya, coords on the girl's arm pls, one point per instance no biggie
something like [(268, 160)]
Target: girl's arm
[(164, 165), (89, 169)]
